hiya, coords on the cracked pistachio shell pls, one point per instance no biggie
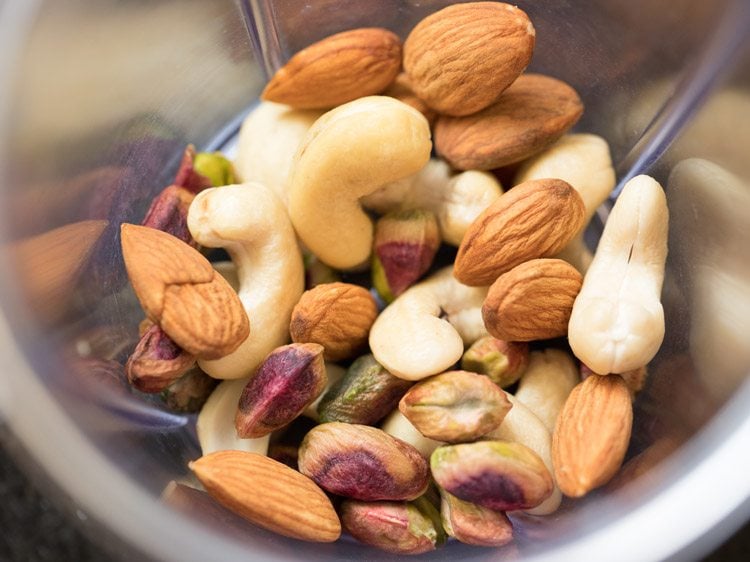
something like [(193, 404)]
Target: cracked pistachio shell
[(502, 361), (456, 406), (365, 395), (494, 474), (289, 379), (473, 524), (398, 527), (363, 463)]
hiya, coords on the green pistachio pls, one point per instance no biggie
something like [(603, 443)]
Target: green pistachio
[(455, 407), (216, 167), (503, 362), (365, 395), (473, 524), (362, 463), (398, 527), (494, 474)]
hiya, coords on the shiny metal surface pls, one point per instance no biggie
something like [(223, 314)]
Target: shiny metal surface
[(98, 100)]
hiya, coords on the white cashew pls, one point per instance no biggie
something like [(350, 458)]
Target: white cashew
[(251, 223), (546, 383), (269, 138), (456, 199), (399, 426), (348, 153), (215, 425), (334, 373), (423, 332), (617, 322), (521, 425), (584, 162)]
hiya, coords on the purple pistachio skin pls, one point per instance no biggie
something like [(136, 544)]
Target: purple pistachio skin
[(397, 527), (494, 474), (473, 524), (168, 213), (157, 362), (289, 379), (189, 393), (362, 463)]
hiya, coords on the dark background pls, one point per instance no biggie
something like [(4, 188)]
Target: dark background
[(33, 529)]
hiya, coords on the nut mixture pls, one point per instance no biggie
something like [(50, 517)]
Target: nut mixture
[(447, 400)]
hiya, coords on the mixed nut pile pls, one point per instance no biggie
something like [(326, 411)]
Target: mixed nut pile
[(417, 434)]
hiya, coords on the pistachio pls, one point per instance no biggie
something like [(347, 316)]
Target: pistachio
[(497, 475), (456, 406), (405, 245), (285, 383), (168, 213), (215, 167), (318, 273), (365, 395), (502, 361), (399, 527), (186, 175), (362, 463), (188, 393), (157, 362), (473, 524)]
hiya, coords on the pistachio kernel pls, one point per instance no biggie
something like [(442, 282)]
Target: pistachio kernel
[(473, 524), (215, 167), (503, 362)]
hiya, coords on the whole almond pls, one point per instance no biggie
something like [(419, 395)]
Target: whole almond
[(461, 58), (180, 291), (340, 68), (535, 219), (532, 301), (337, 316), (530, 115), (268, 494), (592, 434)]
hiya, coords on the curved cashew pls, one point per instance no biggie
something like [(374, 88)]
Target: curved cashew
[(215, 425), (617, 323), (398, 426), (251, 223), (521, 425), (348, 153), (546, 383), (269, 138), (423, 332), (456, 199), (584, 162)]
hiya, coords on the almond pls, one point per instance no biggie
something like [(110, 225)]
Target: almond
[(337, 69), (461, 58), (592, 434), (402, 90), (529, 116), (532, 301), (337, 316), (269, 494), (535, 219), (180, 291)]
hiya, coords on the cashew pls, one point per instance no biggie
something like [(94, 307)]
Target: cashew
[(585, 163), (455, 199), (251, 223), (617, 322), (215, 425), (521, 425), (423, 332), (397, 425), (348, 153), (546, 383), (335, 373), (269, 139)]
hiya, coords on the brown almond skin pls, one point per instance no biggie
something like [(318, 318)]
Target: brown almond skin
[(268, 494), (532, 301), (402, 90), (535, 219), (340, 68), (337, 316), (461, 58), (180, 291), (592, 434), (529, 116)]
